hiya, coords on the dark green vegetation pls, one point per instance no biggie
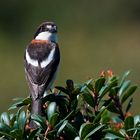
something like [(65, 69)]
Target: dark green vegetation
[(97, 109), (93, 36)]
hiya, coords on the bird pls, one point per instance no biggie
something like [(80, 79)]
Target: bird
[(41, 63)]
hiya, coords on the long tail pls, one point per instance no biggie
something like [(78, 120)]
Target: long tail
[(36, 108)]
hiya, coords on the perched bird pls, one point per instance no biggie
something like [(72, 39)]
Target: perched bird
[(41, 61)]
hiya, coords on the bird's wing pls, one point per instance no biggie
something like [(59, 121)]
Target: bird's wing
[(39, 77)]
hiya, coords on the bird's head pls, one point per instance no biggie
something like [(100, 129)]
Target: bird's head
[(46, 31)]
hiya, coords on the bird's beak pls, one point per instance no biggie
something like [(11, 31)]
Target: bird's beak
[(53, 30)]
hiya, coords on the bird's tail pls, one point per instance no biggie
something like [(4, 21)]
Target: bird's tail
[(36, 108)]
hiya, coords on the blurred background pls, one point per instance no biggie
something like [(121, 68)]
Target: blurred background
[(93, 36)]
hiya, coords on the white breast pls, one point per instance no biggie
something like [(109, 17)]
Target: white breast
[(47, 36)]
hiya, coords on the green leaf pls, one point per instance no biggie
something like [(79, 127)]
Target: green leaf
[(113, 92), (54, 119), (90, 86), (62, 127), (112, 108), (51, 110), (88, 82), (129, 104), (124, 87), (136, 119), (40, 120), (105, 117), (17, 134), (62, 89), (94, 131), (61, 122), (6, 134), (89, 99), (14, 106), (85, 85), (116, 119), (129, 123), (98, 117), (128, 93), (49, 97), (74, 104), (12, 120), (61, 100), (70, 131), (5, 118), (51, 135), (77, 91), (34, 133), (58, 98), (27, 101), (99, 84), (85, 129), (77, 138), (112, 135), (138, 136), (123, 78), (4, 127), (106, 88), (123, 132), (20, 103), (21, 121), (133, 129)]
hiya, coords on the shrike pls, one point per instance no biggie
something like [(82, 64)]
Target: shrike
[(41, 61)]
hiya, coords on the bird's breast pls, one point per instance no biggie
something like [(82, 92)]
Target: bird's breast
[(40, 53)]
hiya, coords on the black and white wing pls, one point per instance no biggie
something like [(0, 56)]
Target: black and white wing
[(41, 64)]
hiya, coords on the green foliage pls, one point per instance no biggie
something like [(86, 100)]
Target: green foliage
[(96, 109)]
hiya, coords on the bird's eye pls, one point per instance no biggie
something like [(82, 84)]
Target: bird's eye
[(49, 26)]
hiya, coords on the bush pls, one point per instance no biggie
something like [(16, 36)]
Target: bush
[(97, 109)]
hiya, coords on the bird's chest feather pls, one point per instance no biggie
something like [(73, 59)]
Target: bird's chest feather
[(40, 51), (40, 54)]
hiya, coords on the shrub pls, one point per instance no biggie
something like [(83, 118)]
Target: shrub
[(97, 109)]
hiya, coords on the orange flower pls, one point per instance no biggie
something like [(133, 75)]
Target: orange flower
[(110, 73), (102, 73), (118, 126), (128, 114)]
